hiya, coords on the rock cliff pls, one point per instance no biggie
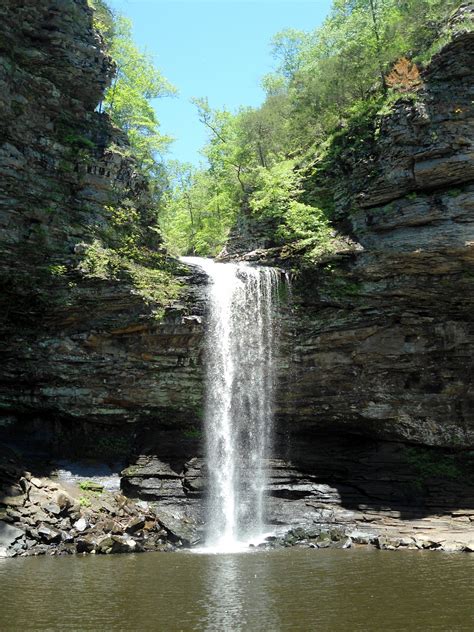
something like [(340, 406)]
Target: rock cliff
[(79, 344), (377, 339), (381, 338)]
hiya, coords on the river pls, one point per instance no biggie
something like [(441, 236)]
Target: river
[(288, 590)]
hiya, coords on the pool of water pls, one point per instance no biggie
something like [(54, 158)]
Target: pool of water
[(314, 590)]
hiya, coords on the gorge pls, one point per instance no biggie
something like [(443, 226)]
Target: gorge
[(105, 361)]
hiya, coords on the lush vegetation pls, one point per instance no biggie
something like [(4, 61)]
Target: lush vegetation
[(135, 83), (262, 163), (327, 84), (127, 247)]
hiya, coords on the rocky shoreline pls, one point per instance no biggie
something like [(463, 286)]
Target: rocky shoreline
[(321, 538), (44, 516)]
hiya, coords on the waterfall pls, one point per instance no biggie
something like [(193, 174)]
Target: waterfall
[(240, 382)]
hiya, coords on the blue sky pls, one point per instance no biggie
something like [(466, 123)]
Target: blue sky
[(214, 48)]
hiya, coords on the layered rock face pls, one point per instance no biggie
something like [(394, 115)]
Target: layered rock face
[(381, 340), (88, 368), (76, 347), (377, 341)]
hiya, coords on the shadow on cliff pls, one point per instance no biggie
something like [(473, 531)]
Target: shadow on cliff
[(409, 482), (327, 470), (42, 446)]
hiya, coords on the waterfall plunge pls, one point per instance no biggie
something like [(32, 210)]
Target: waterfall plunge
[(240, 382)]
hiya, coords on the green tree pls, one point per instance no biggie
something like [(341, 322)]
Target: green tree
[(135, 84), (286, 46), (199, 211), (278, 196), (327, 83), (129, 99)]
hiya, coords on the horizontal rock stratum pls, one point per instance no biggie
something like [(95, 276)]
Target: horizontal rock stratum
[(375, 410), (381, 341)]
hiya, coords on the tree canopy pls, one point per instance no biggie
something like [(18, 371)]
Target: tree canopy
[(366, 53), (323, 79), (136, 82)]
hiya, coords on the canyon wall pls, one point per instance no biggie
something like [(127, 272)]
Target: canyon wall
[(377, 339), (381, 336), (79, 345)]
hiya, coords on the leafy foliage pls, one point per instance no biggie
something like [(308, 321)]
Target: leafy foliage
[(327, 89), (276, 195), (431, 464), (153, 279), (129, 99), (199, 212), (127, 246)]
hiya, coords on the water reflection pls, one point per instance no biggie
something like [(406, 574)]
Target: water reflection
[(284, 591), (238, 594)]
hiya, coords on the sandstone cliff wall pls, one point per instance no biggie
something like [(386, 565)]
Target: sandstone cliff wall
[(76, 347), (381, 339)]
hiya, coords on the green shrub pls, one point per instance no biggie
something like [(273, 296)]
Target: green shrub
[(57, 270), (429, 464), (85, 501), (77, 141)]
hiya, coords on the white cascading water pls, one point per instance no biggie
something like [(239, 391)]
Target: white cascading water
[(240, 384)]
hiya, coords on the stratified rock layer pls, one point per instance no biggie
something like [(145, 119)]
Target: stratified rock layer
[(378, 342), (381, 341), (73, 347)]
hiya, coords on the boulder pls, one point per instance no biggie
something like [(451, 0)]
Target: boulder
[(52, 508), (361, 538), (179, 527), (8, 536), (105, 545), (105, 506), (85, 544), (63, 500), (323, 540), (123, 544), (116, 544), (38, 515), (37, 497), (453, 547), (81, 524), (14, 501), (37, 482), (49, 535), (135, 524)]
